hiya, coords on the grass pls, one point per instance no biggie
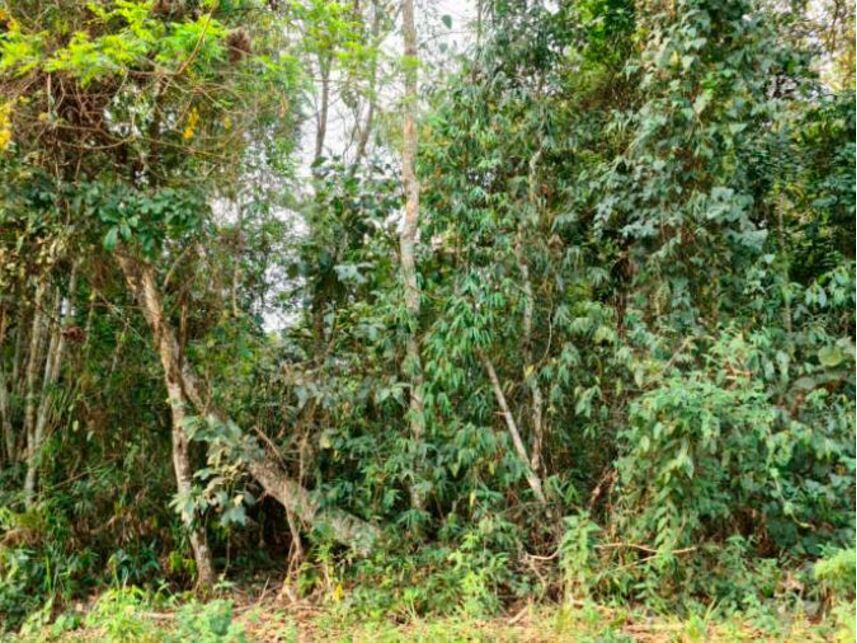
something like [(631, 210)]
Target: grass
[(131, 614)]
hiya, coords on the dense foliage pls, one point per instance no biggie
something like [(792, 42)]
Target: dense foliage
[(625, 372)]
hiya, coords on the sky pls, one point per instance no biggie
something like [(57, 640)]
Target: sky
[(432, 34)]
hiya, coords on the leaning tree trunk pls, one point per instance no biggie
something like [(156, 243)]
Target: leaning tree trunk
[(141, 281), (182, 386), (347, 529), (517, 442), (408, 235)]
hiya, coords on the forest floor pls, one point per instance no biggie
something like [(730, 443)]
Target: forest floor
[(132, 615)]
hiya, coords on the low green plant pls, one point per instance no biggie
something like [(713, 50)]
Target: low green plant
[(577, 556), (210, 622), (120, 615), (836, 572)]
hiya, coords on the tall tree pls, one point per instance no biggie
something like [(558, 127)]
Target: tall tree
[(408, 238)]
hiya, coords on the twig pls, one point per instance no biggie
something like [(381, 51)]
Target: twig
[(644, 548), (517, 617), (677, 353), (270, 444), (537, 557)]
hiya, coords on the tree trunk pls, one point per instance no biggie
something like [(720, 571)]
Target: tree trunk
[(6, 420), (33, 362), (408, 234), (53, 364), (530, 369), (182, 386), (365, 132), (530, 374), (346, 528), (321, 122), (36, 430), (533, 480), (141, 281)]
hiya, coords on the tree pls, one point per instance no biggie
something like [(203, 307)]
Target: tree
[(408, 235)]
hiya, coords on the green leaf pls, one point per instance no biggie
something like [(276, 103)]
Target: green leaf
[(701, 102), (235, 514), (111, 238), (830, 356)]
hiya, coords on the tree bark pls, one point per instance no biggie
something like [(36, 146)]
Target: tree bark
[(5, 420), (531, 374), (141, 281), (66, 320), (321, 119), (53, 364), (346, 528), (533, 480), (36, 430), (408, 235), (33, 362)]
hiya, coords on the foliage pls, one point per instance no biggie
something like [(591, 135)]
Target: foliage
[(635, 265), (836, 572), (209, 623)]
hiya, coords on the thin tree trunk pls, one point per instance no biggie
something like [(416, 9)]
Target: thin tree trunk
[(35, 431), (141, 281), (33, 363), (67, 319), (53, 329), (5, 420), (53, 364), (318, 302), (531, 374), (321, 123), (20, 350), (408, 234), (533, 480), (366, 130)]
